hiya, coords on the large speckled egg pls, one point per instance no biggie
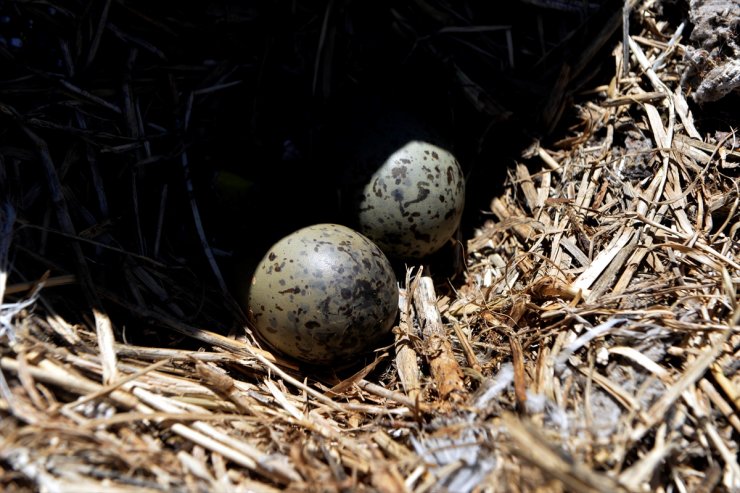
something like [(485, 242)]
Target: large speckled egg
[(324, 293), (408, 200)]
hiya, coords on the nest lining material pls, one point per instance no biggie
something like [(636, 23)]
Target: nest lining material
[(592, 345)]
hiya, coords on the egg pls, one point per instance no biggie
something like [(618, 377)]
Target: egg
[(323, 294), (409, 200)]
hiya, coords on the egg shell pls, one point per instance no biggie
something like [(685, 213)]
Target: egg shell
[(324, 293), (410, 202)]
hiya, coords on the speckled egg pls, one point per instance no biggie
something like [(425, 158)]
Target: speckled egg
[(324, 293), (410, 201)]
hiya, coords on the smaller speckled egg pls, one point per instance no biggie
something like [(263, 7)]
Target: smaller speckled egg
[(324, 293), (409, 201)]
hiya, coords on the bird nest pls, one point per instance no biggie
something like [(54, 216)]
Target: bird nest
[(582, 334)]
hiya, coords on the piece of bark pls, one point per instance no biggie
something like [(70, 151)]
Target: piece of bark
[(406, 357), (444, 367)]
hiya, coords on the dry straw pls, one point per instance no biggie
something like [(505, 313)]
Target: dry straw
[(592, 345)]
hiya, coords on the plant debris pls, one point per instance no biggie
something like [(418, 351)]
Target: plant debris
[(586, 337)]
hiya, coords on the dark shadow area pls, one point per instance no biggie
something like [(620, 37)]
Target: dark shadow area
[(174, 131)]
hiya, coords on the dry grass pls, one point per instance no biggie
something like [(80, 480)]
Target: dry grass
[(591, 343)]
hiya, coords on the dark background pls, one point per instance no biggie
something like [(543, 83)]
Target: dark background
[(148, 109)]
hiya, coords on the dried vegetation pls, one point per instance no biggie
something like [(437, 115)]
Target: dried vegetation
[(588, 343)]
